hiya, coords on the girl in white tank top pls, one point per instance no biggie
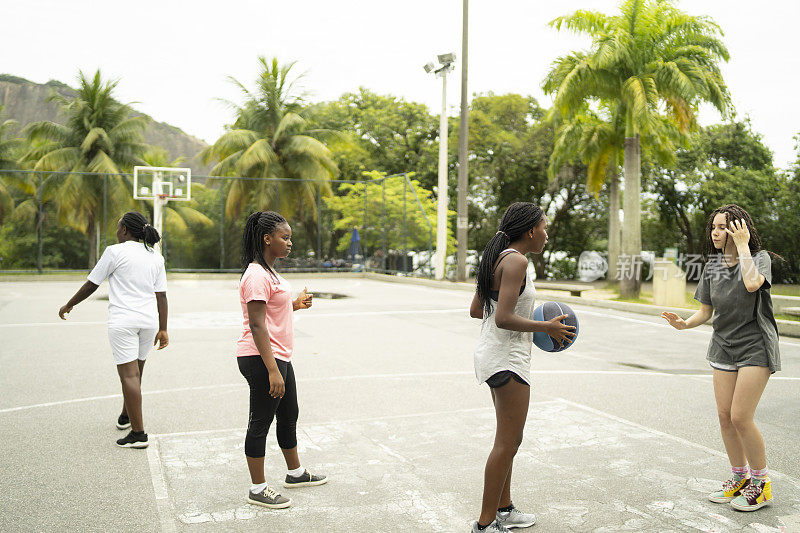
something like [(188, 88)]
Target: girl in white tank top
[(504, 300)]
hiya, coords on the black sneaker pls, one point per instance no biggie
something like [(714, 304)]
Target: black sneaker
[(133, 440), (123, 422), (305, 479), (268, 498)]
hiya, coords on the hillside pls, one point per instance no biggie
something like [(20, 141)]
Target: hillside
[(26, 102)]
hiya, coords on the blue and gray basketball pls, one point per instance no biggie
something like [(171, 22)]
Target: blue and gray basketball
[(548, 311)]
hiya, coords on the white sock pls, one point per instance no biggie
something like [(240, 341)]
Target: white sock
[(297, 472), (256, 489)]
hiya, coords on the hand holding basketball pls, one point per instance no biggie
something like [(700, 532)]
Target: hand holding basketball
[(674, 320), (561, 332)]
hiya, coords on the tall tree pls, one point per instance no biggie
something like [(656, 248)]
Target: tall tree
[(271, 139), (386, 133), (10, 150), (100, 135), (597, 139), (648, 59)]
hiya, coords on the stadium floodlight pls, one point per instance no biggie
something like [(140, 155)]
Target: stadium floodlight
[(447, 59)]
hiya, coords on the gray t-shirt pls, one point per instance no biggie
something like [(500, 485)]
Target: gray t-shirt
[(740, 316)]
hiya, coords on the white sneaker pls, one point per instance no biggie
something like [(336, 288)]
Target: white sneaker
[(494, 527), (515, 518)]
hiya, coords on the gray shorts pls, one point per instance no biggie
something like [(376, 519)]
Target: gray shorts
[(748, 352)]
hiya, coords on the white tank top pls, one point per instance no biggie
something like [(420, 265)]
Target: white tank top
[(502, 349)]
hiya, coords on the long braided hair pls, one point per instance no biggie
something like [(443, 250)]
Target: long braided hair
[(519, 218), (258, 224), (140, 228)]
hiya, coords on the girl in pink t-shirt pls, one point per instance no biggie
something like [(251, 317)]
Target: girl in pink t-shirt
[(264, 354)]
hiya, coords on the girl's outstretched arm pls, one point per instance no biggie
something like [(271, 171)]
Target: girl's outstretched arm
[(84, 292), (700, 317)]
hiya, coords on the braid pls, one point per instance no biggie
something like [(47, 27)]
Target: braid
[(519, 218), (258, 224), (140, 228)]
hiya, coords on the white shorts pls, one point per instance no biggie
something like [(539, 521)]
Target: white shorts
[(129, 344)]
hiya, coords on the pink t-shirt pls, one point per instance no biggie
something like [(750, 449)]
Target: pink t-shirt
[(259, 284)]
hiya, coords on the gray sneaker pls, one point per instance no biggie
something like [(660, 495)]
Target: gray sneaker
[(306, 479), (494, 527), (268, 498), (515, 518)]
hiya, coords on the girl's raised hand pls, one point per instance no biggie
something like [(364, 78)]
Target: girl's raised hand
[(674, 320), (739, 232)]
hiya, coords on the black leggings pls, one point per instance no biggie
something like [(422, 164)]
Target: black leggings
[(263, 407)]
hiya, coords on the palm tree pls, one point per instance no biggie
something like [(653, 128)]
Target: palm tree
[(651, 59), (270, 139), (10, 150), (598, 140), (100, 135)]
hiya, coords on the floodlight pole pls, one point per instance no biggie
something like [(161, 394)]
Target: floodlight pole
[(463, 159), (441, 211)]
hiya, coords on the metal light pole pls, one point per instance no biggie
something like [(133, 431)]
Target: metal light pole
[(463, 175), (447, 61)]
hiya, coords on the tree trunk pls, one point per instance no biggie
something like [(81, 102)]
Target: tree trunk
[(613, 226), (632, 222), (92, 239)]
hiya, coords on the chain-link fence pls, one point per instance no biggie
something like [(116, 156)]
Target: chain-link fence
[(60, 221)]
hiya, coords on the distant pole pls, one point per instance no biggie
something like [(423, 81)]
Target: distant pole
[(463, 176), (40, 228), (441, 212), (221, 225)]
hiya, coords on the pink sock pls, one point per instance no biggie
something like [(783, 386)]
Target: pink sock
[(760, 475), (739, 472)]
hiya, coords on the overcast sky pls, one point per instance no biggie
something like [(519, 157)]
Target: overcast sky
[(172, 57)]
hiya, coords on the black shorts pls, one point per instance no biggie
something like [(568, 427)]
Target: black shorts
[(504, 376)]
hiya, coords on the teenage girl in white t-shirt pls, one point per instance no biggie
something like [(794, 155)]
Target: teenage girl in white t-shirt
[(137, 312)]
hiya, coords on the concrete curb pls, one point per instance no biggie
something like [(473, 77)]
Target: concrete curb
[(788, 328)]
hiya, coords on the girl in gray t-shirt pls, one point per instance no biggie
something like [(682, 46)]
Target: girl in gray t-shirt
[(743, 352)]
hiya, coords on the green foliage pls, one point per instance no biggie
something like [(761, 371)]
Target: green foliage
[(350, 206), (385, 133), (271, 139), (100, 135)]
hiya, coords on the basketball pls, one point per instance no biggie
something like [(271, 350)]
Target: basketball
[(548, 311)]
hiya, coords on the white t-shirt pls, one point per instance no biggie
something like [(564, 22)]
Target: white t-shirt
[(135, 274)]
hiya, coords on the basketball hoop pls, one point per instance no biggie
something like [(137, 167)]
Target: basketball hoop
[(161, 185)]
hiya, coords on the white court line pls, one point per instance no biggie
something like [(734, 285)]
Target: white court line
[(675, 438), (160, 489), (62, 323), (307, 316), (380, 376)]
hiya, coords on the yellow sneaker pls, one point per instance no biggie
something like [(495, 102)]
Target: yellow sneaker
[(755, 496), (730, 489)]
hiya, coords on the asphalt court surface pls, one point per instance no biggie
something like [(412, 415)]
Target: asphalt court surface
[(621, 434)]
